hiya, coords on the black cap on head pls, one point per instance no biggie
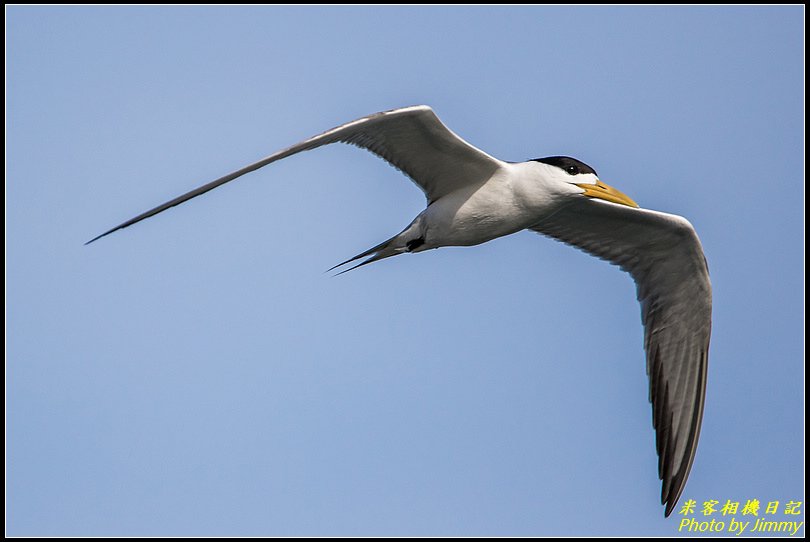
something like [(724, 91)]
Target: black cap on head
[(572, 166)]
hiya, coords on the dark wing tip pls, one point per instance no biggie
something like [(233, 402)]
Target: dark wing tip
[(675, 482), (108, 232), (671, 493), (131, 221), (201, 190)]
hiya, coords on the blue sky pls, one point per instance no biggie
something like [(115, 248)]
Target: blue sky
[(200, 374)]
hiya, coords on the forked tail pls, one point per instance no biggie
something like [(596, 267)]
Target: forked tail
[(410, 239)]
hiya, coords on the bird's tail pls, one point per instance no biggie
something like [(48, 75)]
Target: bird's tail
[(406, 241), (384, 250)]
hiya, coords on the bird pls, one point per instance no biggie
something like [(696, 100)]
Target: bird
[(473, 198)]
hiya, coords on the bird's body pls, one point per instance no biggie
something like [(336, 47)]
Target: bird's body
[(474, 198), (510, 201), (476, 214)]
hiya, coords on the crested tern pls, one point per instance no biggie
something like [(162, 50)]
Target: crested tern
[(473, 198)]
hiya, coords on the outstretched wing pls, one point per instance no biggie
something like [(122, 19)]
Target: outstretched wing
[(412, 139), (663, 254)]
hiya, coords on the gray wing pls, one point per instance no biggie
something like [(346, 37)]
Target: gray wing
[(412, 139), (664, 256)]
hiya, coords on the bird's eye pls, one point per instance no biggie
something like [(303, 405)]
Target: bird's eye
[(572, 170)]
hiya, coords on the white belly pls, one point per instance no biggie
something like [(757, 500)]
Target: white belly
[(474, 216)]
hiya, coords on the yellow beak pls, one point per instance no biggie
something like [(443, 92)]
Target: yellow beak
[(608, 193)]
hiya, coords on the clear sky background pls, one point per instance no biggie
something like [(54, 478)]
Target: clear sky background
[(200, 374)]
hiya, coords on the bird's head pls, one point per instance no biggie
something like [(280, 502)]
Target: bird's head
[(573, 172)]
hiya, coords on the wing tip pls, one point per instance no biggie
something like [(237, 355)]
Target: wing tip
[(97, 237), (672, 494)]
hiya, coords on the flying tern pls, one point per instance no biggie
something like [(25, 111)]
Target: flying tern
[(473, 198)]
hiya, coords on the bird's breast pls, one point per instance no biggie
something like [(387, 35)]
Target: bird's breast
[(474, 216)]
